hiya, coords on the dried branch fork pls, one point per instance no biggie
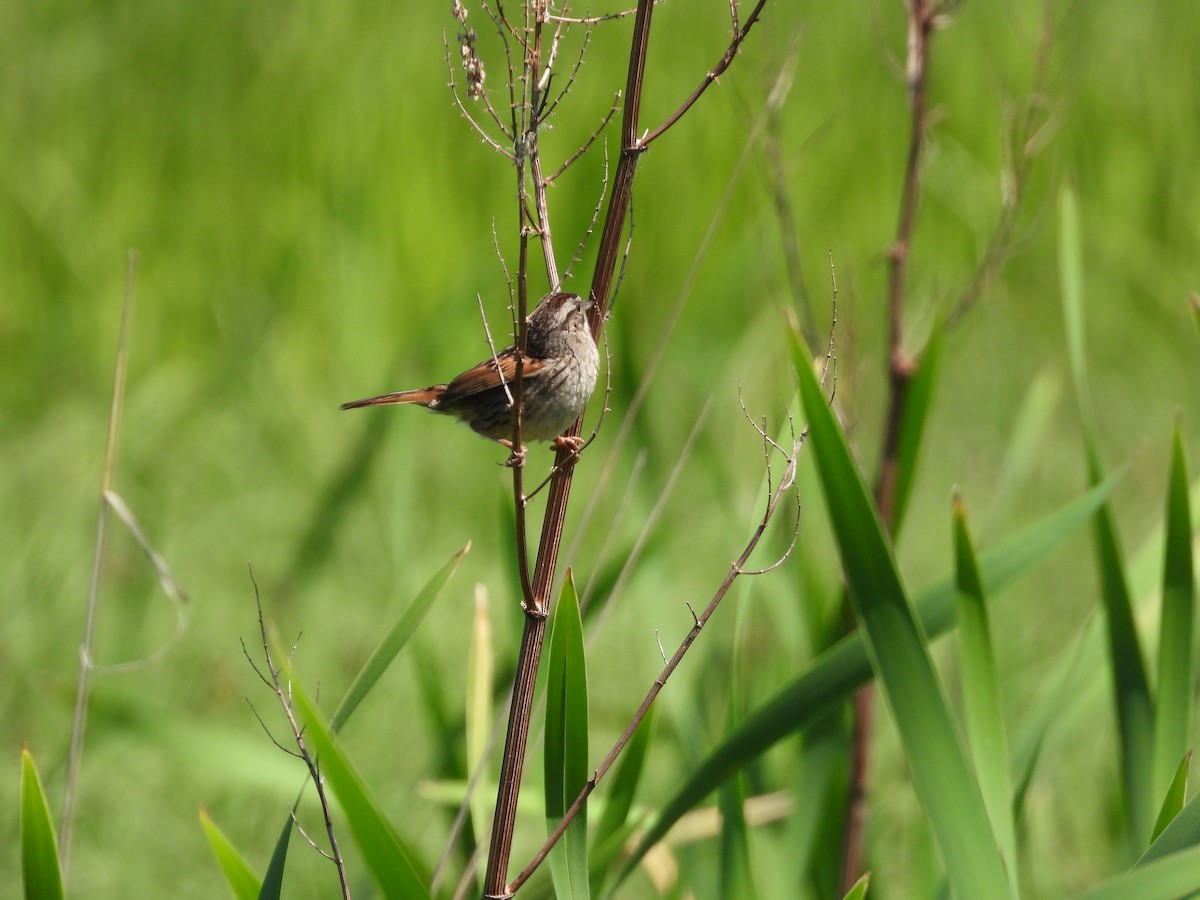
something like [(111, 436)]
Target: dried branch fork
[(273, 682)]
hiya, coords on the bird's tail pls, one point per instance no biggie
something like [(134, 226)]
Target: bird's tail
[(423, 397)]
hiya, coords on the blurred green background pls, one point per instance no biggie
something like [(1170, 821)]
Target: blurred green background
[(313, 219)]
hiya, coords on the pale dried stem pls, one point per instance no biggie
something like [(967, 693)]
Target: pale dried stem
[(83, 684)]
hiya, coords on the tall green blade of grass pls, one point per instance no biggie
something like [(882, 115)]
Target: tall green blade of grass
[(395, 640), (984, 712), (945, 785), (735, 874), (1135, 718), (843, 668), (1176, 660), (479, 708), (1167, 878), (241, 878), (368, 676), (917, 403), (272, 886), (389, 860), (566, 746), (1175, 799), (39, 850), (1181, 833)]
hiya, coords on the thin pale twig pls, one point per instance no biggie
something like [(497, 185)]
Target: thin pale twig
[(592, 222), (492, 347), (586, 145), (83, 684)]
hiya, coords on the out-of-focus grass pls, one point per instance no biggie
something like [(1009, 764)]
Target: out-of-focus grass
[(313, 220)]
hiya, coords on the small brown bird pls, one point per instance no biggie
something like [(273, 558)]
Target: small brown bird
[(560, 371)]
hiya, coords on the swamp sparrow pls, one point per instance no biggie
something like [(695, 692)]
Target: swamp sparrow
[(560, 370)]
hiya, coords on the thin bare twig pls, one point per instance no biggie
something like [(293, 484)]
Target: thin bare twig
[(712, 75), (735, 571), (310, 761), (587, 144), (591, 222)]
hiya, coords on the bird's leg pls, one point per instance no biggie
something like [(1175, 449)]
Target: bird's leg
[(516, 459), (572, 442)]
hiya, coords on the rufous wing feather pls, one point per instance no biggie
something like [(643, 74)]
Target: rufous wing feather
[(423, 397), (485, 377)]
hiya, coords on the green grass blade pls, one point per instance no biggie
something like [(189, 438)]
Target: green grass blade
[(917, 403), (394, 641), (844, 667), (620, 796), (1176, 659), (1059, 690), (1181, 833), (383, 850), (1194, 306), (859, 890), (1176, 797), (1167, 878), (40, 871), (566, 746), (1135, 719), (237, 871), (984, 712), (479, 707), (735, 870), (945, 785), (272, 886)]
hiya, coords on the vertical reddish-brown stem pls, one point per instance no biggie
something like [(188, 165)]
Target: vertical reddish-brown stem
[(538, 600), (900, 372)]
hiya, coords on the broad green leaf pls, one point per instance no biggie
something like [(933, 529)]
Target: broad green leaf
[(479, 708), (394, 641), (1181, 833), (237, 871), (945, 785), (621, 792), (1135, 720), (983, 710), (39, 851), (385, 854), (843, 668), (1176, 660), (566, 756), (1167, 878), (1176, 797)]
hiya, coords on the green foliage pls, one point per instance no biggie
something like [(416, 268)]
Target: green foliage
[(39, 850), (237, 871), (900, 658), (566, 756), (314, 219)]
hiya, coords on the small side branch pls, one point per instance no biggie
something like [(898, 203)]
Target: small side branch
[(273, 681), (736, 569)]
